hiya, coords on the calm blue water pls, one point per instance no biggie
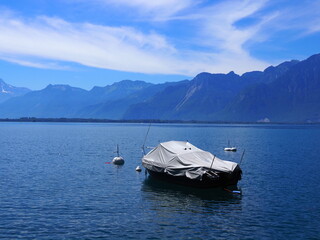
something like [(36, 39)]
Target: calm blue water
[(55, 183)]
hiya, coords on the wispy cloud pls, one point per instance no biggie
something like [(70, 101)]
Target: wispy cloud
[(47, 42), (304, 16), (219, 24), (120, 48), (35, 63)]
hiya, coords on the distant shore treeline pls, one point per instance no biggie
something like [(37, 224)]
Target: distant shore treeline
[(91, 120)]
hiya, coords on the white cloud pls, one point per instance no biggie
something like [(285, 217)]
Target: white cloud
[(38, 41), (303, 17), (35, 64), (219, 29), (120, 48), (45, 42)]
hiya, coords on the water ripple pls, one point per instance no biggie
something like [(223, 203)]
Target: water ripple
[(55, 184)]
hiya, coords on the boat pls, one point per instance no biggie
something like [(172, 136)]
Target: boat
[(230, 149), (182, 163), (118, 160)]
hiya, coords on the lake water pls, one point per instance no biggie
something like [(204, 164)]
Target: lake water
[(55, 183)]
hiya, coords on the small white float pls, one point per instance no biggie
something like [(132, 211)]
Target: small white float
[(118, 160), (230, 149), (138, 169)]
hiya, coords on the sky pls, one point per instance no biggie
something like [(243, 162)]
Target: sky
[(98, 42)]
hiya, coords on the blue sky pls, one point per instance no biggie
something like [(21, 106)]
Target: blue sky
[(86, 43)]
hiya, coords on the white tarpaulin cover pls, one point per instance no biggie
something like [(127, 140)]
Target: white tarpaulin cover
[(179, 158)]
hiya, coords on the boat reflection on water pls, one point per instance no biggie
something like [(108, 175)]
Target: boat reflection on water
[(168, 196)]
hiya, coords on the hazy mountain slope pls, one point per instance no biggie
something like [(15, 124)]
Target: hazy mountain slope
[(8, 91), (295, 96), (206, 96), (160, 105), (285, 93), (269, 75), (115, 109), (53, 101), (66, 101), (117, 90), (198, 99)]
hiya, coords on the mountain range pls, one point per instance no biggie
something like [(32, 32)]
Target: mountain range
[(8, 91), (289, 92)]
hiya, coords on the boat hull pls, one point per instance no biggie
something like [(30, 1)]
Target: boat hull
[(223, 179)]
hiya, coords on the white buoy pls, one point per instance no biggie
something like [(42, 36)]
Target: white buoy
[(230, 149), (138, 169), (118, 160)]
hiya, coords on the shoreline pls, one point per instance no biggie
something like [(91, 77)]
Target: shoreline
[(93, 120)]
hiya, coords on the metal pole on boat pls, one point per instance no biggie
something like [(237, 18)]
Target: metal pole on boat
[(145, 139), (118, 150), (212, 161), (242, 156)]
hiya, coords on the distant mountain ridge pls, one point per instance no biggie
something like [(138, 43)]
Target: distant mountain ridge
[(66, 101), (8, 91), (207, 96), (52, 101), (118, 90), (294, 96), (116, 108), (288, 92), (190, 100)]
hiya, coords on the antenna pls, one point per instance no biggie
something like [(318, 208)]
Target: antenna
[(118, 150), (145, 139), (212, 161), (242, 156)]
